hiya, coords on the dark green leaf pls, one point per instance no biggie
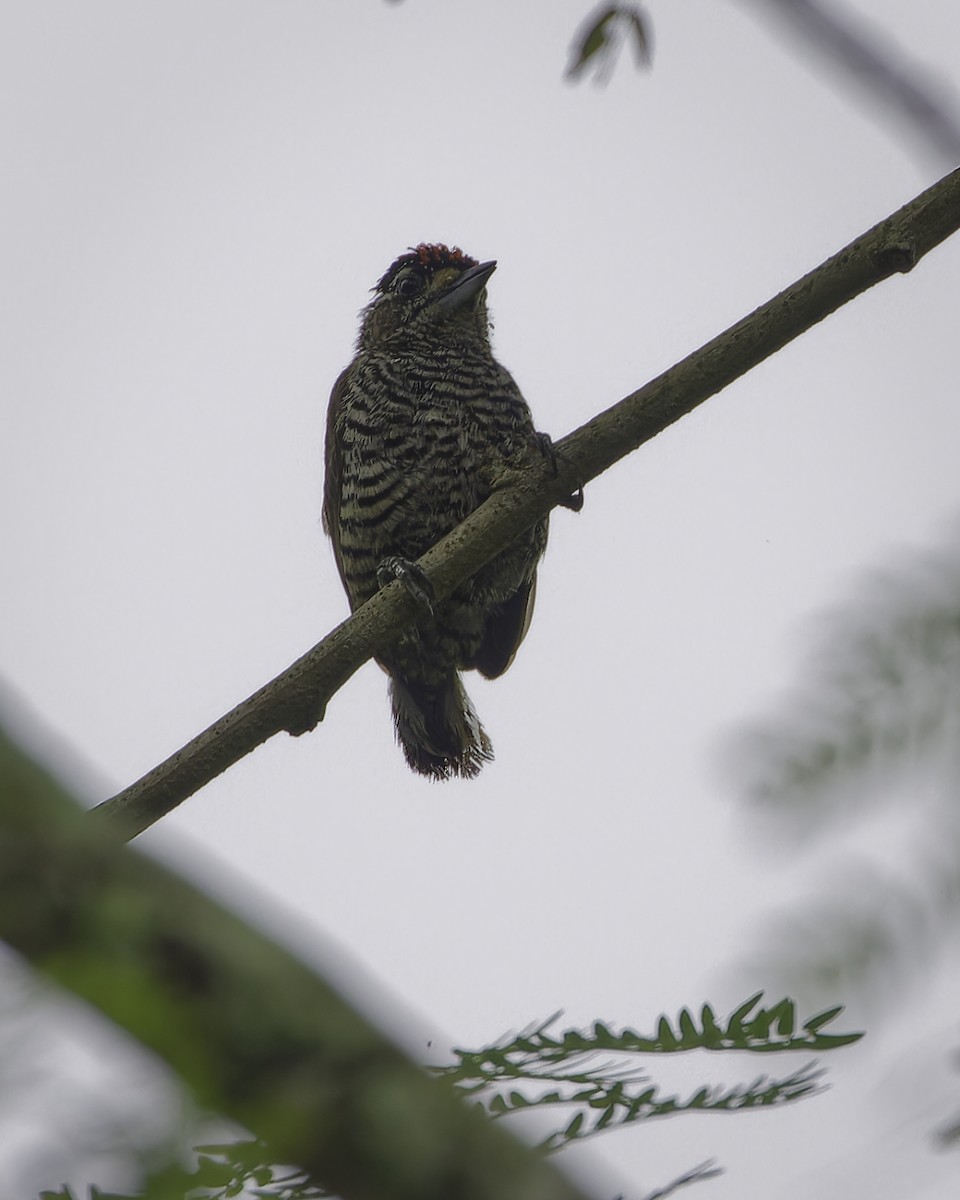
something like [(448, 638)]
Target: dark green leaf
[(735, 1024), (605, 1119), (712, 1035), (785, 1015), (689, 1034), (603, 1038), (592, 40), (573, 1129), (824, 1018), (598, 40), (213, 1173), (831, 1041), (665, 1038)]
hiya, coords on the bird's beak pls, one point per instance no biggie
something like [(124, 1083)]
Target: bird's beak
[(466, 288)]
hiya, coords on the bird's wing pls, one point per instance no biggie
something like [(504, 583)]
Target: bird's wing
[(505, 630), (333, 470)]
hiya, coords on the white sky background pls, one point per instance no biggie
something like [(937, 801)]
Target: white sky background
[(200, 197)]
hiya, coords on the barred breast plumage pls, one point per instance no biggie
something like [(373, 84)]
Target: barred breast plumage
[(419, 424)]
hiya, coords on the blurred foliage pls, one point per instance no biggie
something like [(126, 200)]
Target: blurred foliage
[(696, 1174), (872, 733), (866, 751), (602, 34), (537, 1070), (229, 1169), (600, 38), (883, 689), (561, 1069), (237, 1170), (861, 58), (77, 1098)]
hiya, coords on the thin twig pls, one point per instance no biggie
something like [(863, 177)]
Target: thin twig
[(879, 70)]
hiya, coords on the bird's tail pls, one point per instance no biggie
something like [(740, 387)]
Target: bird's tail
[(437, 728)]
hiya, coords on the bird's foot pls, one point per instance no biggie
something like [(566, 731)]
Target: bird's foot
[(544, 443), (411, 576)]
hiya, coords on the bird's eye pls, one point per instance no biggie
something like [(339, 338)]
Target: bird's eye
[(408, 284)]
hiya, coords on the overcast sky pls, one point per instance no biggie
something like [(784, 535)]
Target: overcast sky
[(199, 197)]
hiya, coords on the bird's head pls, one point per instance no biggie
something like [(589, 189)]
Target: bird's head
[(430, 292)]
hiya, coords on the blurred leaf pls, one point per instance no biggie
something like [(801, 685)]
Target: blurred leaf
[(574, 1127), (711, 1031), (665, 1037), (707, 1170), (735, 1024), (785, 1016), (689, 1034), (607, 1116), (882, 690), (211, 1173), (599, 39), (815, 1024), (875, 720), (592, 1071), (949, 1135)]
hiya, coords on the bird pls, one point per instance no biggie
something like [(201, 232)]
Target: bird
[(419, 426)]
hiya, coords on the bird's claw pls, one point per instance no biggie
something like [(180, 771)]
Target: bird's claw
[(574, 502), (544, 443), (411, 576)]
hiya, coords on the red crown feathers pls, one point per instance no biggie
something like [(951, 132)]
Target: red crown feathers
[(428, 256)]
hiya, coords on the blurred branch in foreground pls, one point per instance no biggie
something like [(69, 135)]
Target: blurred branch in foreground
[(78, 1099), (295, 701), (878, 68), (254, 1033)]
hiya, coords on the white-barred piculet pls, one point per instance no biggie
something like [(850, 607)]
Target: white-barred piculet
[(419, 426)]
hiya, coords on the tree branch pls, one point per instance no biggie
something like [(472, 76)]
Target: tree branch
[(295, 701), (254, 1033)]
